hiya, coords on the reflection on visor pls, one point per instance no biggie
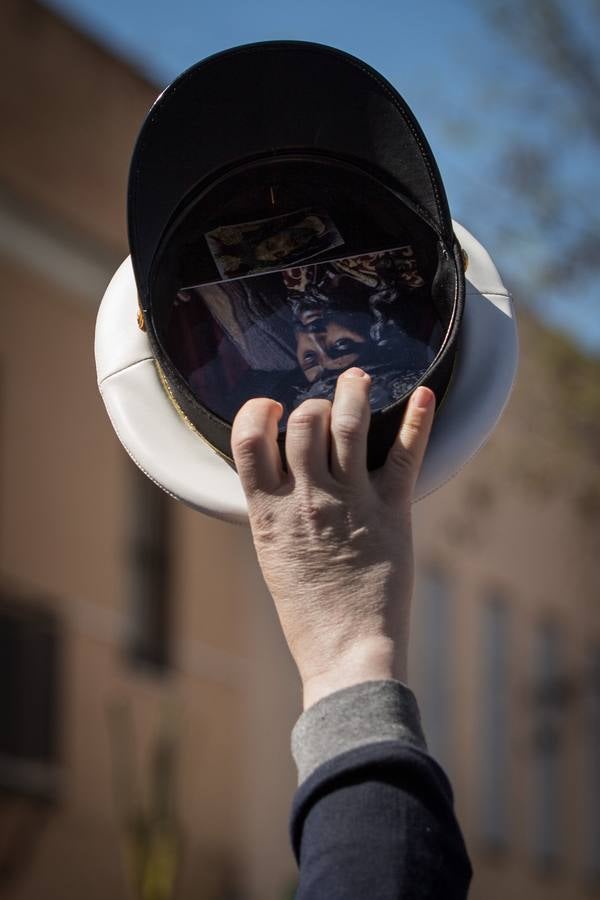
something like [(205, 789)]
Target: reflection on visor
[(288, 333)]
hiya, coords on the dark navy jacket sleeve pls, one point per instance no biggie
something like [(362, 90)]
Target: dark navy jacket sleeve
[(377, 822)]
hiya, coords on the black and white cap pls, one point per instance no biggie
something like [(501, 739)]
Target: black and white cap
[(287, 220)]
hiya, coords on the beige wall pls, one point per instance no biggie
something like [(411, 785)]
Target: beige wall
[(70, 115), (232, 689), (65, 482), (513, 522), (518, 518)]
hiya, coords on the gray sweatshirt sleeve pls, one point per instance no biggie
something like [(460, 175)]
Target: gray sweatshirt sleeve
[(365, 713)]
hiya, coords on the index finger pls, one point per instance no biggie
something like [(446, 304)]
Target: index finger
[(254, 446)]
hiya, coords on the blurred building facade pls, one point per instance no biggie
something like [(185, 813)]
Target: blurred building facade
[(147, 695)]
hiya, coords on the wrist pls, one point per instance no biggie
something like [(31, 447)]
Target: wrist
[(372, 659)]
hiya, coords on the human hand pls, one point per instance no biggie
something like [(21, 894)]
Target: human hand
[(334, 541)]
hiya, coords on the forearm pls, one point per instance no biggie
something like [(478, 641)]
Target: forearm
[(373, 814)]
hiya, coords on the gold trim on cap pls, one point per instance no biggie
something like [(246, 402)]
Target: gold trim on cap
[(167, 389)]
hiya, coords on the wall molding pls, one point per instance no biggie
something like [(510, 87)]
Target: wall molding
[(47, 247)]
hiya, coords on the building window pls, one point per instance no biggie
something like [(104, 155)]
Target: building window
[(430, 660), (549, 701), (29, 674), (148, 625), (495, 723)]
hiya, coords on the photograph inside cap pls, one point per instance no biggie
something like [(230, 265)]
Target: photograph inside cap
[(283, 274)]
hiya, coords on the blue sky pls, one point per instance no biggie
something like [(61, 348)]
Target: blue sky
[(464, 81)]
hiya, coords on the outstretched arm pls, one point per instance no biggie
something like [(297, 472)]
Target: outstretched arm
[(373, 814)]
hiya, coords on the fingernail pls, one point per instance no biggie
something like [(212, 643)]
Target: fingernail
[(423, 398), (355, 372)]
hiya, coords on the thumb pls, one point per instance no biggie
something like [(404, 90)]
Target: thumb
[(403, 464)]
